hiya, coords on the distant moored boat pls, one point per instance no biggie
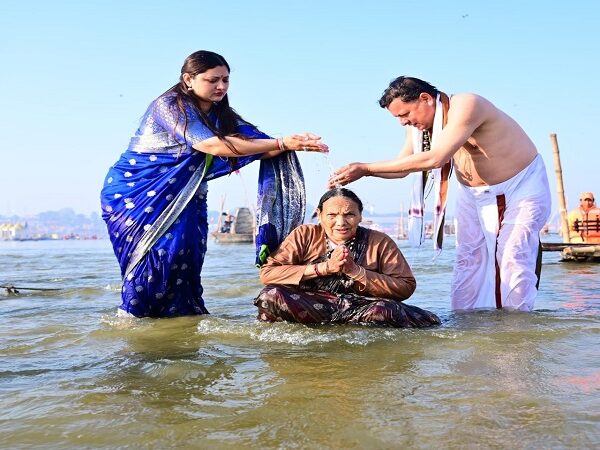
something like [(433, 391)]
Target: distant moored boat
[(239, 229)]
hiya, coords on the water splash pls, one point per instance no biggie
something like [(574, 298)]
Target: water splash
[(298, 335), (331, 169)]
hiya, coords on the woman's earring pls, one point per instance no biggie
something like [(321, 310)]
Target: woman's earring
[(190, 88)]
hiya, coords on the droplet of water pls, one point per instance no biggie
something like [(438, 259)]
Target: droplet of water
[(331, 169)]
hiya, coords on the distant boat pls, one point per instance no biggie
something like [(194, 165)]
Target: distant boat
[(368, 223), (235, 229)]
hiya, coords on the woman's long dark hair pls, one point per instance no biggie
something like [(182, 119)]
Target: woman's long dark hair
[(228, 120)]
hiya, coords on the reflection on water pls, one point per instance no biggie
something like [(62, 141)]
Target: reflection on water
[(73, 374)]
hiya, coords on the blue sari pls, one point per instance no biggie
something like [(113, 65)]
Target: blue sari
[(154, 205)]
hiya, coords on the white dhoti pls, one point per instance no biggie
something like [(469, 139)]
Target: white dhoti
[(498, 241)]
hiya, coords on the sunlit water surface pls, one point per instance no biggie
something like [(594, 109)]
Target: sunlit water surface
[(74, 375)]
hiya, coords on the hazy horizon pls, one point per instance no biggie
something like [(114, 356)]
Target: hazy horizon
[(78, 77)]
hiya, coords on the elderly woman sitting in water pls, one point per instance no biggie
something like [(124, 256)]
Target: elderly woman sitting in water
[(339, 272)]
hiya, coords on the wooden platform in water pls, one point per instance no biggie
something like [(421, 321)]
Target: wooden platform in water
[(233, 238), (574, 252)]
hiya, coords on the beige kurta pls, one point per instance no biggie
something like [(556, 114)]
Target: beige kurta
[(388, 275)]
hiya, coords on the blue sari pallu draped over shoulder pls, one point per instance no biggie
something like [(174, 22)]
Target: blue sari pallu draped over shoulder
[(154, 205), (281, 202)]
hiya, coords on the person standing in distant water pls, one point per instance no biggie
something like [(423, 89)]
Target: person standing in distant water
[(154, 197), (584, 222), (504, 197), (227, 222)]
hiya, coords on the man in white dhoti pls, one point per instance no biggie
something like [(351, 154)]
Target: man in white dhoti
[(503, 199)]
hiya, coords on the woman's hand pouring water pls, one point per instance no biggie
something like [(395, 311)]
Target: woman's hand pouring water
[(307, 142)]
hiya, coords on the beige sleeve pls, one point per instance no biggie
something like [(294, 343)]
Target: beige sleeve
[(286, 264), (388, 275)]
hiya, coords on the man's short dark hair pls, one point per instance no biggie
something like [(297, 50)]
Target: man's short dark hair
[(406, 89)]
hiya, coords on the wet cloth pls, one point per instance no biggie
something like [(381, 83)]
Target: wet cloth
[(422, 141), (154, 205), (498, 242), (292, 304), (337, 298)]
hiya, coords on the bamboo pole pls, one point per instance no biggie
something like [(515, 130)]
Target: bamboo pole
[(221, 213), (401, 234), (564, 223)]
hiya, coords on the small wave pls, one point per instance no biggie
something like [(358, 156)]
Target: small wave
[(113, 287), (302, 335), (120, 320), (446, 334), (22, 373)]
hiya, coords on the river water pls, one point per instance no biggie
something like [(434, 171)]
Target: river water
[(74, 375)]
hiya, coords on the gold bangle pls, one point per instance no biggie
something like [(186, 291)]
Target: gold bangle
[(363, 283), (358, 276), (316, 268), (281, 144)]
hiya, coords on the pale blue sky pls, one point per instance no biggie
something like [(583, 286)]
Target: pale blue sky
[(77, 76)]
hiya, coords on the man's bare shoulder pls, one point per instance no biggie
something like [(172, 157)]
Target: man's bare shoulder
[(469, 100), (472, 109)]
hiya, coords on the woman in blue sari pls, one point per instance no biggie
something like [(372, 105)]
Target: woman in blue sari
[(154, 197)]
